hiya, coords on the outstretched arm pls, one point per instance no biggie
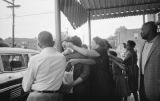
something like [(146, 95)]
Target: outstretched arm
[(119, 64), (115, 58), (67, 51), (28, 77), (82, 61), (85, 52), (84, 75)]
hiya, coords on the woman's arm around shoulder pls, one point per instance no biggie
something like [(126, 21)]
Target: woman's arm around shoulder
[(85, 52), (82, 61)]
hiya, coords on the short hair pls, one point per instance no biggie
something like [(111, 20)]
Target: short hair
[(84, 46), (152, 25), (131, 43), (45, 38), (107, 44), (99, 41), (76, 41)]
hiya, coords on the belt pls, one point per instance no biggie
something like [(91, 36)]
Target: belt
[(45, 91)]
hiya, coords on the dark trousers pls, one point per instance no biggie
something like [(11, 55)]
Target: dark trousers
[(67, 97), (75, 97), (142, 94)]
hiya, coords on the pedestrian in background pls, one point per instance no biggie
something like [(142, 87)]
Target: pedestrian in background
[(130, 62)]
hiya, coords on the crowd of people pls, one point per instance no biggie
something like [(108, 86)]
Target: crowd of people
[(96, 74)]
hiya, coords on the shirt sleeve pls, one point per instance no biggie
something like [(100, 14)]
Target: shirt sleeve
[(28, 77), (101, 51), (86, 70)]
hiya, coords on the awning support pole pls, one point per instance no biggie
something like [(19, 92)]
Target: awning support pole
[(58, 24), (144, 19), (89, 29), (154, 17)]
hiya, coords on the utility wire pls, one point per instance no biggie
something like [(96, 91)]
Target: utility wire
[(5, 18), (35, 14), (43, 13)]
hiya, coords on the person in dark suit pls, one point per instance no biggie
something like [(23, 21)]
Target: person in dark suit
[(150, 63)]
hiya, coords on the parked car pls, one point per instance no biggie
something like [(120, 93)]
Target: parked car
[(13, 63)]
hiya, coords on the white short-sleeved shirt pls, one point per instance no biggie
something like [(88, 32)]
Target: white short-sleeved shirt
[(45, 71)]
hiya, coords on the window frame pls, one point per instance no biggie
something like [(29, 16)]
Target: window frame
[(13, 70)]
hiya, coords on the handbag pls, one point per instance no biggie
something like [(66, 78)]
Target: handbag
[(67, 80), (122, 85)]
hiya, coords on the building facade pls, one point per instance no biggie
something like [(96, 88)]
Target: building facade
[(123, 35)]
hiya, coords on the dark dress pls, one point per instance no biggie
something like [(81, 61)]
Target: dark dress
[(117, 73), (132, 70), (80, 91), (101, 78)]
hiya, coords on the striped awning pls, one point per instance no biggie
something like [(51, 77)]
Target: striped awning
[(77, 11)]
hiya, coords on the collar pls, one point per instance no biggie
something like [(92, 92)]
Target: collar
[(153, 40), (48, 49)]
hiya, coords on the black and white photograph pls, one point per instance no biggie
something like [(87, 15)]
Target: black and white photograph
[(79, 50)]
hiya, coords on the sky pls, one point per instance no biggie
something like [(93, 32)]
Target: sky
[(35, 16)]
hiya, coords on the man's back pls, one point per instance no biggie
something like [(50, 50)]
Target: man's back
[(46, 71)]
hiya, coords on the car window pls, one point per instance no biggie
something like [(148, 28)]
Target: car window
[(14, 62), (1, 65), (5, 61), (33, 54)]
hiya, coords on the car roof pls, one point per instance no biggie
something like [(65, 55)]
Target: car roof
[(8, 50)]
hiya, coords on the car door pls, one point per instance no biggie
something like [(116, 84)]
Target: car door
[(14, 66)]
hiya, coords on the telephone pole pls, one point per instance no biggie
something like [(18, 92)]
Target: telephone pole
[(12, 6)]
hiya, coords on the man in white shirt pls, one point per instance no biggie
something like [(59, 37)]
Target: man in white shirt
[(45, 71)]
